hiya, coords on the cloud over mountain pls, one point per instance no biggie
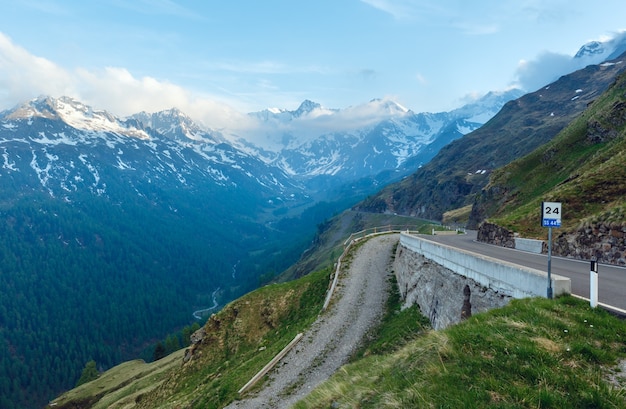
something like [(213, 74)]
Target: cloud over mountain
[(548, 66), (544, 69), (24, 76)]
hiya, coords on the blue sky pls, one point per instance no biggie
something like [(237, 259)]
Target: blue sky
[(214, 59)]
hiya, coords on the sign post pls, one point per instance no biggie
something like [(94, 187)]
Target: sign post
[(550, 217), (593, 283)]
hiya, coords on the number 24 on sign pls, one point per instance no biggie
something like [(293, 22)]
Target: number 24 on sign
[(549, 210), (551, 214)]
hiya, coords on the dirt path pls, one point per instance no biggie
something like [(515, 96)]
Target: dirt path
[(357, 305)]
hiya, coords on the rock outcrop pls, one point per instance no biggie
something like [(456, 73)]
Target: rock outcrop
[(604, 241)]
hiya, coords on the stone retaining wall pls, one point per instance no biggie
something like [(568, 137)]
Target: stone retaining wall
[(494, 234), (443, 296), (604, 241)]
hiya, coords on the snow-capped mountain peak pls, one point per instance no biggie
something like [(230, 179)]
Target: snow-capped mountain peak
[(595, 52), (592, 48), (174, 124), (308, 143), (75, 114), (305, 108), (388, 106), (484, 108)]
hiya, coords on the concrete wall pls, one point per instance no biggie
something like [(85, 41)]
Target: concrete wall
[(443, 296), (450, 284), (530, 245), (511, 279)]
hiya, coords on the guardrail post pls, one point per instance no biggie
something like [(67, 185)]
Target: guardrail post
[(593, 283)]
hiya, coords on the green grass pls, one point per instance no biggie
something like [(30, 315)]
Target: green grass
[(398, 327), (244, 337), (534, 353), (120, 385), (585, 174)]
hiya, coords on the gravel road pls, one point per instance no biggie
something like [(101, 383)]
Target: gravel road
[(357, 306)]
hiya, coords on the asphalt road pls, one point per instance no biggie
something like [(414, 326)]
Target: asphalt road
[(611, 279)]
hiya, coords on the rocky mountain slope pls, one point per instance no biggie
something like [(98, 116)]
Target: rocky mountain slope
[(462, 168), (584, 168)]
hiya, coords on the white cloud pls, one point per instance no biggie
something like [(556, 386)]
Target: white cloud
[(322, 121), (24, 76), (546, 68)]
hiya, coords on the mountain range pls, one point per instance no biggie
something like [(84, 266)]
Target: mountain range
[(583, 165), (116, 230), (140, 223), (399, 142), (170, 149)]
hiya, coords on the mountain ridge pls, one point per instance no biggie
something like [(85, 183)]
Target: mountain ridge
[(452, 178), (566, 96), (582, 167)]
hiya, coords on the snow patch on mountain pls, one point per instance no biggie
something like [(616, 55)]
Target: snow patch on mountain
[(76, 115)]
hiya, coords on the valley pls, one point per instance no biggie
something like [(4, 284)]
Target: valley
[(137, 223), (118, 233)]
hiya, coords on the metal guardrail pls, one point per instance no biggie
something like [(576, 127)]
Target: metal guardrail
[(370, 232), (348, 243), (354, 238), (270, 365)]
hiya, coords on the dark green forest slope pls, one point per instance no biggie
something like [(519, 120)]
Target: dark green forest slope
[(92, 281)]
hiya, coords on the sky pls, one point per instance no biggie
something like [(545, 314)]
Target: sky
[(215, 59)]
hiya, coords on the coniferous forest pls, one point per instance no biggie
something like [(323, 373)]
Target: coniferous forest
[(95, 281)]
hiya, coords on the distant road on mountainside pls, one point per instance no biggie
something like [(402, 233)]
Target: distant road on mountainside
[(611, 279)]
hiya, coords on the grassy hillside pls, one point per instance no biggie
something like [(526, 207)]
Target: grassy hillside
[(328, 243), (119, 386), (534, 353), (584, 167), (240, 340)]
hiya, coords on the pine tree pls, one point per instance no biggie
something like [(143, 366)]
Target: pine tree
[(90, 372), (159, 352), (172, 343)]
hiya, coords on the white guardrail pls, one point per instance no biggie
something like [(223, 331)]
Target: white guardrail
[(354, 238), (509, 278)]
